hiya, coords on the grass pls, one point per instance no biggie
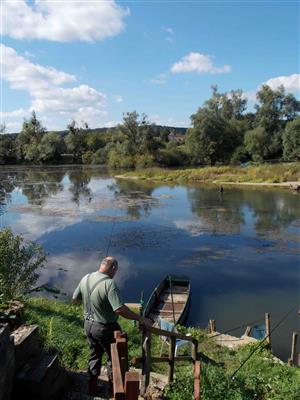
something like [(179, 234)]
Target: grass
[(61, 330), (263, 173)]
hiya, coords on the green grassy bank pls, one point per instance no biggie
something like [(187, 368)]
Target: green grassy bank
[(263, 173), (61, 330)]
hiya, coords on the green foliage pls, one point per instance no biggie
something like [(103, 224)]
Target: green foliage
[(291, 140), (76, 139), (20, 261), (50, 148)]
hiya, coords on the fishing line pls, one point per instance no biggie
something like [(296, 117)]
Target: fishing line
[(261, 343), (110, 236)]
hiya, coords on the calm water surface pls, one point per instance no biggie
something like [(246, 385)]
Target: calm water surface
[(239, 249)]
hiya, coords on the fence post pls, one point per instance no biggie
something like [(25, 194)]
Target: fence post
[(194, 351), (171, 359), (291, 360), (118, 384), (197, 380), (132, 383), (248, 331), (146, 357), (212, 325), (268, 329)]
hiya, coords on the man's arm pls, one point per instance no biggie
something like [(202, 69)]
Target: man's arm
[(77, 295), (125, 312)]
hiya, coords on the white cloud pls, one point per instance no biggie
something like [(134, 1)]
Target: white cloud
[(291, 83), (200, 63), (63, 21), (48, 98), (111, 124), (168, 30)]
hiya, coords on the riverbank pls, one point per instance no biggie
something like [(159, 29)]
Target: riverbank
[(61, 330), (282, 175)]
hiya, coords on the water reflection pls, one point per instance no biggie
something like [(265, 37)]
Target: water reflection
[(239, 247)]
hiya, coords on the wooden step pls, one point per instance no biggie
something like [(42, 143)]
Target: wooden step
[(27, 344), (41, 377)]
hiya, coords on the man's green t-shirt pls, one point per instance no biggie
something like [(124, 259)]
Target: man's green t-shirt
[(104, 300)]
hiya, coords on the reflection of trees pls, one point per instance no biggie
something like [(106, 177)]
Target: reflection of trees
[(7, 185), (216, 211), (37, 186), (80, 179), (135, 197), (271, 210)]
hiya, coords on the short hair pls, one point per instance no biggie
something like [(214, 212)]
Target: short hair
[(108, 263)]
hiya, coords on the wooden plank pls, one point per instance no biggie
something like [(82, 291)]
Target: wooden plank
[(118, 388), (171, 359), (197, 377), (132, 385)]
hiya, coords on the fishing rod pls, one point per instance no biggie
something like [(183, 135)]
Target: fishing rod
[(262, 342), (110, 236)]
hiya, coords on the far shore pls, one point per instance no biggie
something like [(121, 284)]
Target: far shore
[(282, 175)]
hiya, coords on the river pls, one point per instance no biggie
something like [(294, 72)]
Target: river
[(239, 248)]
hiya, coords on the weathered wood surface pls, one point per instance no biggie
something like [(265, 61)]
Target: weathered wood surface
[(118, 384), (197, 377), (132, 385)]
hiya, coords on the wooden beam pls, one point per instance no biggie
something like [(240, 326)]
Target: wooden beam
[(162, 332), (132, 385), (197, 378), (171, 359), (119, 393), (123, 355), (212, 325)]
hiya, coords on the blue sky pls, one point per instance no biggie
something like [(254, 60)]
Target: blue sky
[(94, 60)]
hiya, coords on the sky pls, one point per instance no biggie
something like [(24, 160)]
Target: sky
[(93, 60)]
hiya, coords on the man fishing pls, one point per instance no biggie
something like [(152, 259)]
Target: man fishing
[(102, 306)]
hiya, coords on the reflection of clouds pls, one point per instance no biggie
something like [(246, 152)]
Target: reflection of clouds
[(194, 228), (66, 270)]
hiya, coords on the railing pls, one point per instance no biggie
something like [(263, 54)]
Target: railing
[(147, 359), (125, 383)]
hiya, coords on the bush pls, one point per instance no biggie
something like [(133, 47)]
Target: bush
[(19, 262)]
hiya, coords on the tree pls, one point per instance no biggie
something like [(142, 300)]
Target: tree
[(29, 139), (76, 139), (291, 140), (19, 264), (50, 148), (217, 128), (257, 143)]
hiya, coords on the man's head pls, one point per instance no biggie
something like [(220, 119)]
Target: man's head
[(109, 266)]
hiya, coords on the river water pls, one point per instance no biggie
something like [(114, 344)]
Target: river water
[(240, 249)]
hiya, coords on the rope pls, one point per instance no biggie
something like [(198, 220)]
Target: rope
[(261, 343)]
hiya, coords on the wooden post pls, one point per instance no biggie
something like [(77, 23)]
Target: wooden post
[(194, 351), (248, 331), (197, 380), (292, 360), (146, 356), (268, 329), (123, 355), (299, 360), (212, 325), (132, 383), (171, 359), (118, 385)]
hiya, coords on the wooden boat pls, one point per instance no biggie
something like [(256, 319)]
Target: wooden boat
[(170, 300)]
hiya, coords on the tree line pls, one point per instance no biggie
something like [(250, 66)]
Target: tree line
[(222, 132)]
